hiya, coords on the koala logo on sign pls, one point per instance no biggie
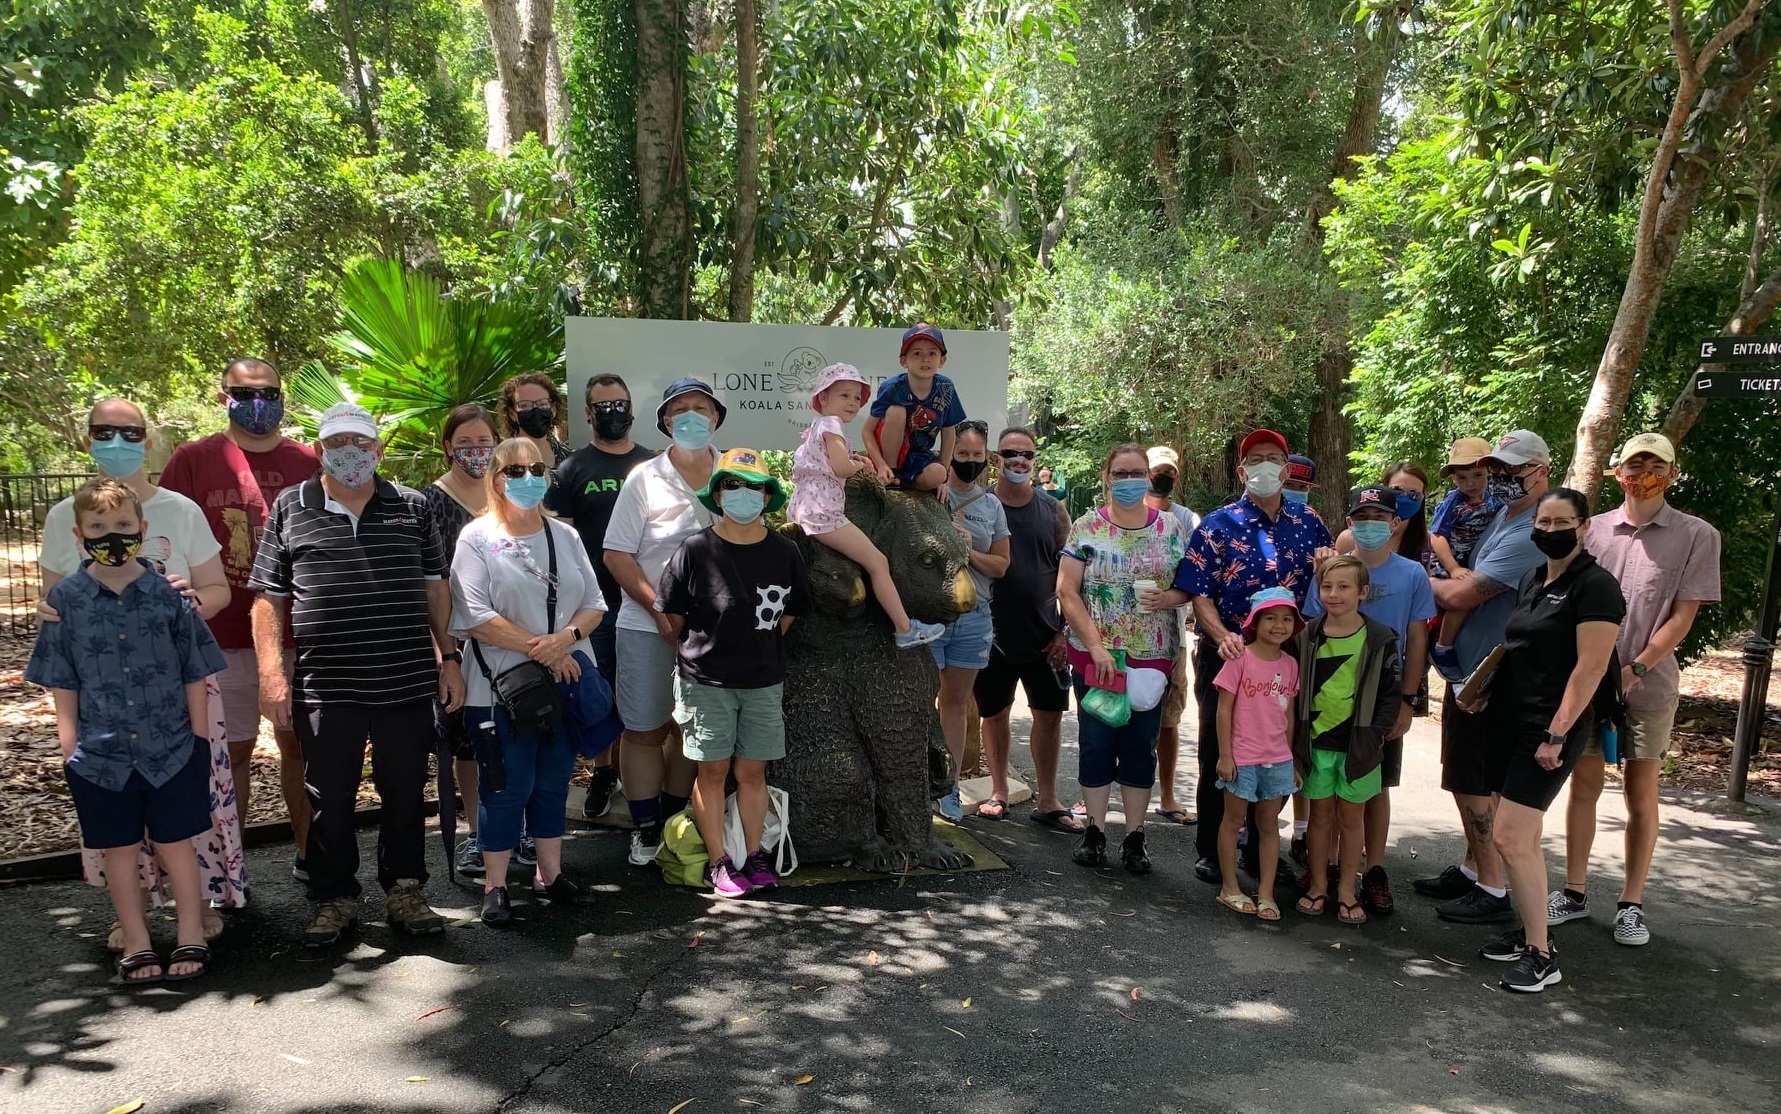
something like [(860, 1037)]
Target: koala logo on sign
[(798, 371)]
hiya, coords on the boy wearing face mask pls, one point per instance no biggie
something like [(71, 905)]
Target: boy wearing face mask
[(729, 594), (142, 762)]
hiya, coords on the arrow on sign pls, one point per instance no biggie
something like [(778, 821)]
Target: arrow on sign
[(1709, 349)]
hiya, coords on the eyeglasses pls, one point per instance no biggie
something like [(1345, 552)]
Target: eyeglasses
[(1130, 474), (611, 406), (515, 471), (130, 433), (522, 405), (349, 440), (972, 425), (249, 394), (1263, 458), (1557, 523), (731, 483), (1016, 454)]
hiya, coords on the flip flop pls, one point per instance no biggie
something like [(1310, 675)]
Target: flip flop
[(1237, 903), (997, 809), (1350, 913), (1178, 815), (188, 953), (1312, 906), (1266, 910), (1057, 820), (136, 961)]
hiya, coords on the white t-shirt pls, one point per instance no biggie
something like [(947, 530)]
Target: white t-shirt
[(494, 574), (655, 512), (176, 538)]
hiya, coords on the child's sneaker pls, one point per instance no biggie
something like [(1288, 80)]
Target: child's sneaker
[(918, 634), (725, 880), (759, 874), (1446, 662), (1093, 851)]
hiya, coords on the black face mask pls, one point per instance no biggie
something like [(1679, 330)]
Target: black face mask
[(1162, 484), (114, 549), (536, 423), (1556, 544), (612, 425), (968, 470)]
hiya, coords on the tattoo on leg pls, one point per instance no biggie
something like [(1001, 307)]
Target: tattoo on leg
[(1480, 822)]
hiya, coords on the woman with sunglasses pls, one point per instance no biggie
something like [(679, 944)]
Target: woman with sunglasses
[(1111, 550), (509, 566)]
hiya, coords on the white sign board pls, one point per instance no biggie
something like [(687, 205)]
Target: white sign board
[(763, 373)]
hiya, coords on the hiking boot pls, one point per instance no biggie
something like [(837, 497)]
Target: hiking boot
[(918, 634), (1477, 907), (468, 858), (1533, 972), (1562, 907), (1375, 892), (1506, 948), (407, 909), (599, 793), (332, 918), (525, 852), (645, 842), (1093, 851), (1132, 851), (725, 880), (1629, 927), (759, 872), (1445, 886), (497, 909), (561, 891)]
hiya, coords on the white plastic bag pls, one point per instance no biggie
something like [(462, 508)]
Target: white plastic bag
[(776, 838), (1145, 687)]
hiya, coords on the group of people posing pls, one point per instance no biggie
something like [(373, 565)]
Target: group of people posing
[(342, 606)]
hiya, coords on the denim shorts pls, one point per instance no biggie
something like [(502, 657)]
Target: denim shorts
[(966, 643), (1263, 783)]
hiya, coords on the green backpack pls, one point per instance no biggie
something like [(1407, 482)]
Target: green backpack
[(682, 856)]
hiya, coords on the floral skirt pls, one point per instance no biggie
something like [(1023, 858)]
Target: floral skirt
[(222, 867)]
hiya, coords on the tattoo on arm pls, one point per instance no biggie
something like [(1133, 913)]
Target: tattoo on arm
[(1486, 587)]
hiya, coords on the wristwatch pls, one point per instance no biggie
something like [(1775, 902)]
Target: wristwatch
[(576, 631), (1410, 699), (1639, 668), (1554, 739), (454, 656)]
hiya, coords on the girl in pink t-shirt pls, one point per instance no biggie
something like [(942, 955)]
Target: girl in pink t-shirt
[(1255, 745)]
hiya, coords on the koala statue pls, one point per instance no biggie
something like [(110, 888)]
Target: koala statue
[(860, 722)]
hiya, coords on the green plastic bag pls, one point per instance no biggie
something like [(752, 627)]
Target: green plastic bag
[(682, 856), (1112, 708)]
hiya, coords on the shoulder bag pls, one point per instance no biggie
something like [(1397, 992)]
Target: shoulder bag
[(528, 691)]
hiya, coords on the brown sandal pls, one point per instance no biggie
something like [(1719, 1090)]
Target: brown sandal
[(1350, 913)]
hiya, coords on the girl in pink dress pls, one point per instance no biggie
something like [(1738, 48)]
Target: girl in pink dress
[(820, 469)]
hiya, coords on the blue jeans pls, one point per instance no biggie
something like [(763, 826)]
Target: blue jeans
[(537, 790), (1123, 754)]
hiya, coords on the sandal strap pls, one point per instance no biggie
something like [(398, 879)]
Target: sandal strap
[(189, 953)]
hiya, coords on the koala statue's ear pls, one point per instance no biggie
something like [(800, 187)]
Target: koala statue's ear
[(867, 502)]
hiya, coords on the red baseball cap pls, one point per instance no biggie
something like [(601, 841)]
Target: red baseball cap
[(1258, 437)]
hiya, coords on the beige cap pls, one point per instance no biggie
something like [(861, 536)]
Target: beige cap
[(1654, 443), (1464, 453), (1163, 454)]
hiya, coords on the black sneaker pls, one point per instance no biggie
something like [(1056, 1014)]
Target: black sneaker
[(1132, 851), (1477, 907), (1506, 948), (1375, 892), (1206, 870), (599, 793), (1450, 883), (525, 852), (497, 909), (562, 892), (1093, 851), (1533, 972), (1298, 851)]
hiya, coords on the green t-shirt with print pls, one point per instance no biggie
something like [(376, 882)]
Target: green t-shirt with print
[(1336, 675)]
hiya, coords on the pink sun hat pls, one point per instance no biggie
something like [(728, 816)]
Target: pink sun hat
[(839, 373), (1273, 597)]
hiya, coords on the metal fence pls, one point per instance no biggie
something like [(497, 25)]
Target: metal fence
[(25, 499)]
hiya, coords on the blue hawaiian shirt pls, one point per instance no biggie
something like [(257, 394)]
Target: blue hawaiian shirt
[(130, 656), (1238, 551)]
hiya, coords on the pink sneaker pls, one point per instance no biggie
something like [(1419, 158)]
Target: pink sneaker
[(759, 874), (723, 877)]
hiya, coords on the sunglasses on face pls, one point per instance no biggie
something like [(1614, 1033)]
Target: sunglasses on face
[(731, 483), (1016, 454), (515, 471), (532, 404), (130, 433), (611, 406), (249, 394)]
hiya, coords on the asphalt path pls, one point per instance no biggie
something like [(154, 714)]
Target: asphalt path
[(1045, 987)]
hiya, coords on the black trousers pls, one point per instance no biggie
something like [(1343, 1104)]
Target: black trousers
[(333, 737)]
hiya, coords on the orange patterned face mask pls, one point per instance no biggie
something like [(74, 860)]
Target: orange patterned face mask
[(1644, 485)]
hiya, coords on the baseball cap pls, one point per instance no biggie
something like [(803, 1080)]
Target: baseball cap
[(1260, 437), (1654, 443), (1373, 495), (1520, 447), (1159, 455), (346, 417), (922, 331), (687, 386), (1464, 453), (745, 465), (1301, 469), (1273, 597)]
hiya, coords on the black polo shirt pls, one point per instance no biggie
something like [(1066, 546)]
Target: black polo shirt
[(1540, 642), (358, 592)]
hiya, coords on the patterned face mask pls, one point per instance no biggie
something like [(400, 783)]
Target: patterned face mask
[(474, 460), (113, 549), (350, 464)]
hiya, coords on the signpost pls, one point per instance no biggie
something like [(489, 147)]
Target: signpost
[(1727, 382)]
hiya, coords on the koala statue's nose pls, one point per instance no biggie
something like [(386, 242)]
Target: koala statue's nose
[(857, 596), (964, 593)]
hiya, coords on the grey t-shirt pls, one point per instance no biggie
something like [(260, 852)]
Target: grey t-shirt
[(986, 521)]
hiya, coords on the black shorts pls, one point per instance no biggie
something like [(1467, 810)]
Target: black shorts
[(994, 686), (1391, 763), (172, 812), (1524, 782), (1470, 765)]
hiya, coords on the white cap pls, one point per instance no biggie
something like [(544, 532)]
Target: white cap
[(347, 417), (1520, 447)]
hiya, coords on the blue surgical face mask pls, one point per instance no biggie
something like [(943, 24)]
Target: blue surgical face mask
[(527, 491), (1370, 535), (1017, 477), (691, 430), (1408, 505), (1300, 497), (119, 458), (743, 504), (1129, 493)]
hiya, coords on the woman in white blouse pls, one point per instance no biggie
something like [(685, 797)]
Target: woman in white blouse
[(502, 575)]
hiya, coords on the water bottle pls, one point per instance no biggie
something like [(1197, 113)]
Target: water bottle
[(1611, 744)]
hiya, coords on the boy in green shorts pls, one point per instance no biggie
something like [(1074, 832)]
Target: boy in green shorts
[(1349, 696)]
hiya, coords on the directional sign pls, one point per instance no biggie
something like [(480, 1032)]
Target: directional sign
[(1728, 383), (1741, 350)]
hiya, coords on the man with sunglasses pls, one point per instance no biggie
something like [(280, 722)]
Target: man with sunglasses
[(234, 476), (587, 487)]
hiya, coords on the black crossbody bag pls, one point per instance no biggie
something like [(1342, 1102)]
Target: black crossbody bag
[(528, 691)]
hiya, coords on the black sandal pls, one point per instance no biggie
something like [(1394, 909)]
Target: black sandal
[(188, 953), (128, 965)]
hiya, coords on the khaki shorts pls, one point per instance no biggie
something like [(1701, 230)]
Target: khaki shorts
[(721, 724), (1175, 700), (239, 683), (1647, 735)]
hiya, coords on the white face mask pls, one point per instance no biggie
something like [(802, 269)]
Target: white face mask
[(1263, 480)]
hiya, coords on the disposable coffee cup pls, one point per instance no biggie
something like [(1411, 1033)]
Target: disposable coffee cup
[(1142, 586)]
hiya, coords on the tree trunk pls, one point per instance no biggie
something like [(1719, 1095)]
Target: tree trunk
[(556, 98), (523, 35), (1672, 188), (664, 269), (748, 160), (360, 78), (1054, 228)]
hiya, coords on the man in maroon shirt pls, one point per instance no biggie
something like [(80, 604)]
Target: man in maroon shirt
[(234, 476)]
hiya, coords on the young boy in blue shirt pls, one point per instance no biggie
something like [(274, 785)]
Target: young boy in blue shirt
[(914, 412), (126, 664)]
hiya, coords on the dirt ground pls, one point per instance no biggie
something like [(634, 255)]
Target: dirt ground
[(37, 817)]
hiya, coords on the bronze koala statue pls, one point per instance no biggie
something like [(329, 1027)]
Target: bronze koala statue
[(860, 721)]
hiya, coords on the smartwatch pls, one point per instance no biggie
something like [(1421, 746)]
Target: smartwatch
[(1639, 668), (1554, 739), (455, 655), (576, 631)]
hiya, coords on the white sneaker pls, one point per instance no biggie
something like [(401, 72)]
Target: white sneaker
[(1629, 927), (645, 842)]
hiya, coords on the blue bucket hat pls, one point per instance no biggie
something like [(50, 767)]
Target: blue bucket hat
[(687, 386)]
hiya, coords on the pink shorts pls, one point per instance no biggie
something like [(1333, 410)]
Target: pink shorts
[(240, 685)]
